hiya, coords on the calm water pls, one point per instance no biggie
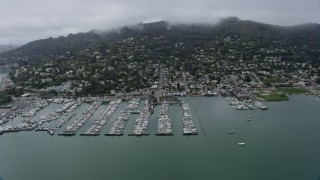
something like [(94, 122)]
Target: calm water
[(281, 143)]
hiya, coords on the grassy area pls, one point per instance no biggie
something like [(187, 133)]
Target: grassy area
[(270, 80), (293, 90), (274, 97)]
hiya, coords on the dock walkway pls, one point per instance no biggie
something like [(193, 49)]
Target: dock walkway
[(79, 122), (164, 121), (98, 124), (121, 122), (189, 127), (142, 122)]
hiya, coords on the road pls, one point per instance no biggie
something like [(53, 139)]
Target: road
[(185, 82), (160, 85)]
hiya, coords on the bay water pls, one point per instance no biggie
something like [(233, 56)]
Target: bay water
[(281, 143)]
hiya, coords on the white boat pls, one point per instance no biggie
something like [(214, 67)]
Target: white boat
[(241, 143), (248, 118)]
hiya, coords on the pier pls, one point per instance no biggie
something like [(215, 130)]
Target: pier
[(65, 107), (164, 122), (51, 131), (142, 122), (98, 124), (133, 107), (37, 122), (70, 107), (121, 122), (238, 104), (44, 119), (33, 109), (79, 122), (58, 118), (261, 106), (189, 127)]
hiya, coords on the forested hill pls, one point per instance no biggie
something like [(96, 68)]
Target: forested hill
[(306, 34), (129, 59)]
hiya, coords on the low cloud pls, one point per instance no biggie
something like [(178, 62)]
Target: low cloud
[(23, 21)]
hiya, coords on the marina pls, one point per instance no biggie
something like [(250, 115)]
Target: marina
[(37, 106), (121, 122), (67, 110), (261, 106), (142, 122), (164, 121), (245, 104), (232, 98), (34, 123), (98, 124), (189, 127), (18, 150), (133, 107), (80, 121), (66, 116)]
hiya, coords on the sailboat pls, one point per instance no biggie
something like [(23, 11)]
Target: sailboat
[(241, 143), (248, 118), (231, 131)]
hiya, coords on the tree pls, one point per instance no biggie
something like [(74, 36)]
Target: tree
[(5, 98), (247, 78)]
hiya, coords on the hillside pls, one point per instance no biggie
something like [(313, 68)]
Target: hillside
[(301, 34), (130, 59)]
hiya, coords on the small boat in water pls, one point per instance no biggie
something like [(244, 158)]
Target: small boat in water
[(231, 132), (248, 118), (241, 143)]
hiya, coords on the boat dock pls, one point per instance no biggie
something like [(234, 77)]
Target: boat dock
[(164, 122), (45, 119), (121, 122), (69, 114), (36, 122), (98, 124), (133, 107), (49, 130), (189, 127), (65, 107), (68, 110), (238, 104), (261, 106), (79, 122), (142, 122), (34, 108)]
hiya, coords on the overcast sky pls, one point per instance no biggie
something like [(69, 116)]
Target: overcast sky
[(22, 21)]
